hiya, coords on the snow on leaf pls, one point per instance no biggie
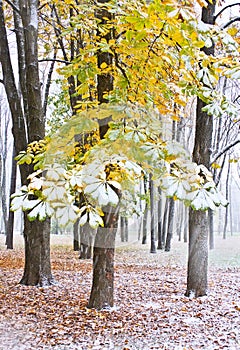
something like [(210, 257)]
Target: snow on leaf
[(30, 204), (66, 214), (55, 172), (83, 219), (95, 219), (18, 200), (41, 210), (202, 201), (54, 191)]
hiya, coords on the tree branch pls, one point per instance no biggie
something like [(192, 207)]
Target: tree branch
[(225, 8), (14, 7), (53, 60), (224, 150), (231, 22)]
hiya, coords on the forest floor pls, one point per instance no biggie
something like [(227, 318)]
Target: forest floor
[(151, 311)]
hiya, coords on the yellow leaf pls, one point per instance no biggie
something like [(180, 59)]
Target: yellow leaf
[(216, 166), (103, 65), (232, 31)]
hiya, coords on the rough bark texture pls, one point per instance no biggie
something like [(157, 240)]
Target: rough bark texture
[(170, 225), (87, 234), (10, 223), (104, 247), (37, 269), (197, 279), (76, 236), (27, 127), (103, 261)]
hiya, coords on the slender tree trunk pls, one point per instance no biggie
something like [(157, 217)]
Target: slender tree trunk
[(197, 278), (227, 209), (145, 214), (186, 225), (165, 222), (159, 212), (76, 236), (170, 225), (122, 228), (152, 211), (10, 223)]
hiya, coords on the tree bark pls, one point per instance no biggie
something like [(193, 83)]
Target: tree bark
[(76, 236), (10, 223), (87, 234), (103, 261), (197, 277), (152, 211), (159, 213), (146, 211), (27, 127), (170, 224), (104, 247)]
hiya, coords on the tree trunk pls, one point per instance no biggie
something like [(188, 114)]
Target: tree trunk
[(211, 228), (152, 211), (10, 223), (145, 215), (87, 234), (27, 127), (170, 225), (103, 261), (227, 209), (37, 269), (76, 236), (159, 213), (197, 284), (104, 246), (197, 279), (165, 222)]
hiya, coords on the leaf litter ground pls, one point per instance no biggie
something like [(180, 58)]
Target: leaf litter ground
[(151, 311)]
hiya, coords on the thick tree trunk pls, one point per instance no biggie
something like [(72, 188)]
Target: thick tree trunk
[(198, 225), (28, 126), (211, 228), (197, 279), (104, 246), (103, 261), (37, 269)]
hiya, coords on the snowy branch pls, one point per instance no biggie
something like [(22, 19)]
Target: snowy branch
[(231, 22), (225, 8), (224, 150), (53, 60)]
